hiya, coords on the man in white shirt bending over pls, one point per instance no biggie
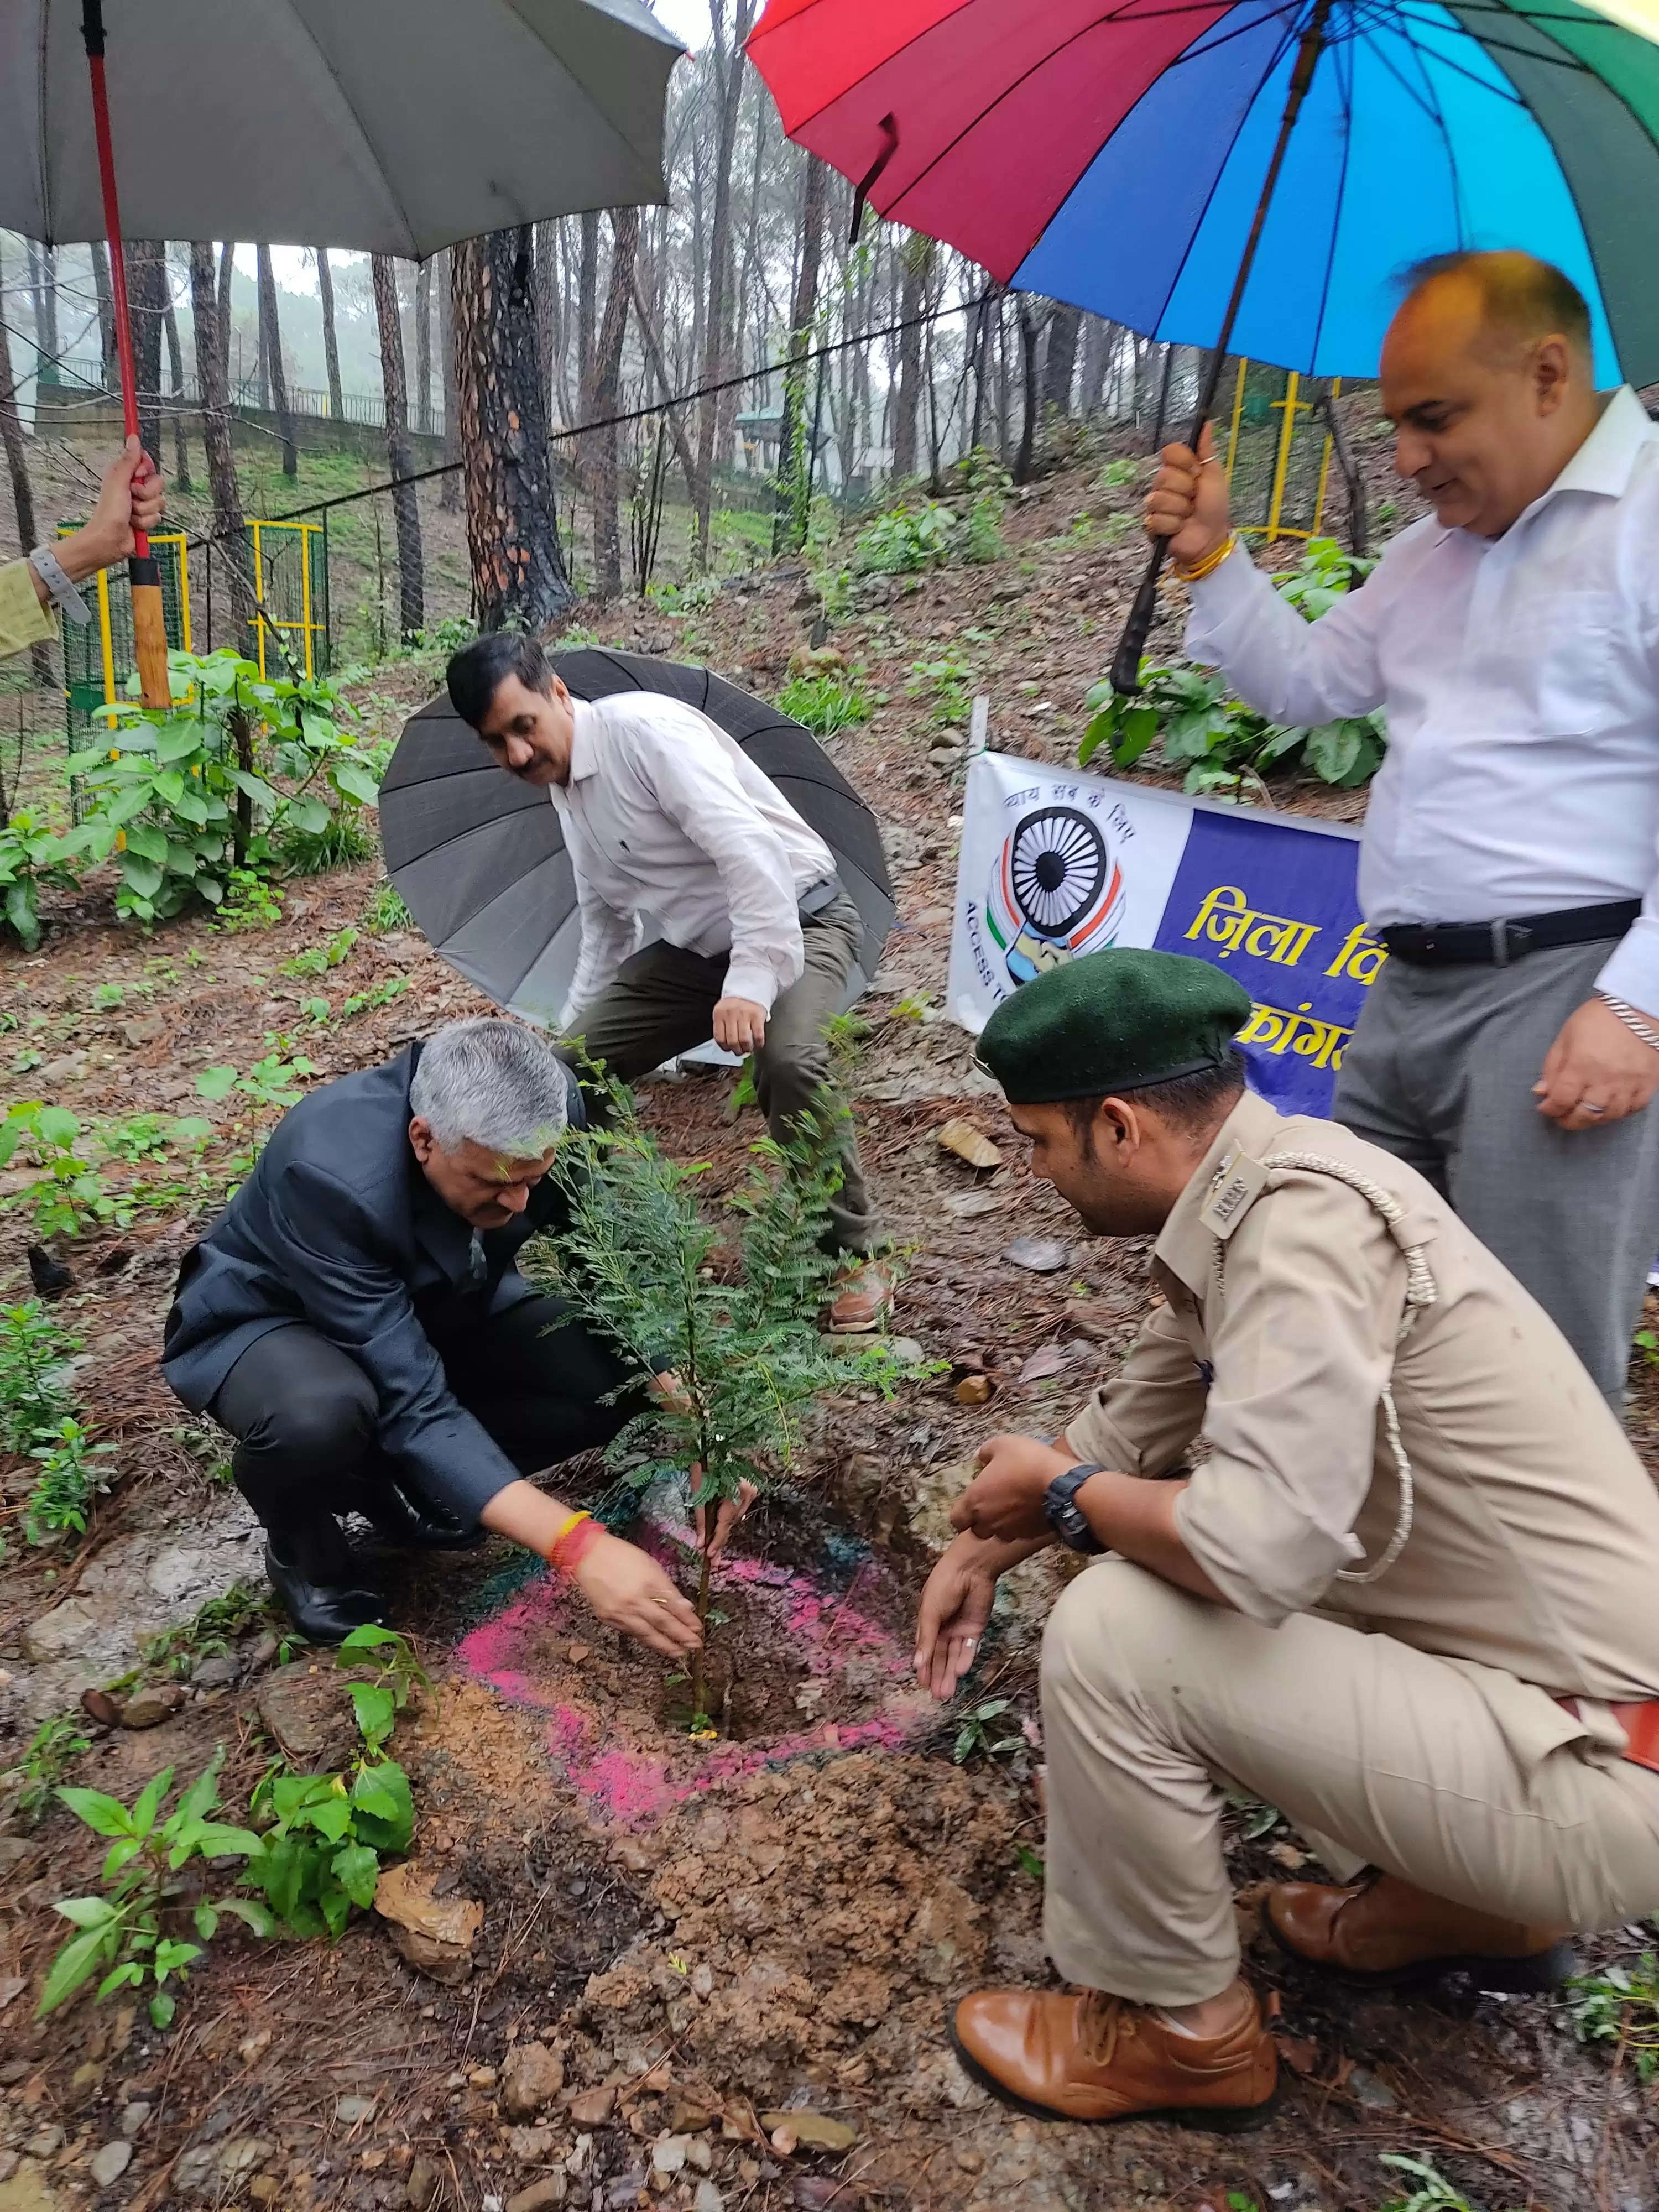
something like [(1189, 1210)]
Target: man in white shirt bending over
[(676, 836), (1510, 1044)]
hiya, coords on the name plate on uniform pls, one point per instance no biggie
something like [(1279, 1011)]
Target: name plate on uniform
[(1056, 865)]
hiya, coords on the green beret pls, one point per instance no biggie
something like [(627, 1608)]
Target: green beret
[(1112, 1021)]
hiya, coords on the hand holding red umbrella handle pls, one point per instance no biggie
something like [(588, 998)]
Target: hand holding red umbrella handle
[(148, 620)]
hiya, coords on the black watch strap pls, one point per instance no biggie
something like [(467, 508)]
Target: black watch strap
[(1066, 1516)]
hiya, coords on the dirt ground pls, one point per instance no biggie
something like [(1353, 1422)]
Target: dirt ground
[(692, 1937)]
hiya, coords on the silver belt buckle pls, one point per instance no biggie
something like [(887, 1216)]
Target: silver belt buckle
[(1500, 944)]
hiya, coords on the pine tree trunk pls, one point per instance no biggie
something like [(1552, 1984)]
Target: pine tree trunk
[(406, 506), (716, 347), (512, 527), (1096, 354), (794, 449), (176, 388), (1059, 361), (271, 332), (22, 495), (99, 253), (229, 549), (450, 497), (547, 305), (331, 335), (147, 295), (43, 287), (587, 286), (607, 380), (917, 259), (226, 277), (423, 349)]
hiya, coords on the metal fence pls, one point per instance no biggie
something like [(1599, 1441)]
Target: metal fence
[(1278, 452)]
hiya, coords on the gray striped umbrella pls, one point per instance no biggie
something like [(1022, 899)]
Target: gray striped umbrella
[(480, 859)]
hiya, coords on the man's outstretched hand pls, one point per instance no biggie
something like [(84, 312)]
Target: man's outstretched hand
[(956, 1605), (629, 1590), (729, 1513), (740, 1026)]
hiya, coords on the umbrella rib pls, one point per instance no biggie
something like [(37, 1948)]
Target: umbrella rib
[(1273, 61), (1346, 94), (350, 107), (1560, 59)]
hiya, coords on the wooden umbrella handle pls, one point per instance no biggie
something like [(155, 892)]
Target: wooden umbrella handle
[(149, 632)]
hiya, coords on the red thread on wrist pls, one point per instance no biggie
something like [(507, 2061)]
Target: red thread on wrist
[(567, 1554)]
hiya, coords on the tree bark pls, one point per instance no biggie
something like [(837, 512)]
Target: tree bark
[(917, 258), (423, 348), (99, 253), (1030, 329), (728, 62), (1097, 353), (22, 495), (450, 497), (406, 506), (221, 300), (1059, 360), (147, 293), (331, 335), (43, 286), (229, 548), (271, 334), (607, 380), (674, 417), (176, 387), (588, 285), (512, 527), (547, 305), (795, 447)]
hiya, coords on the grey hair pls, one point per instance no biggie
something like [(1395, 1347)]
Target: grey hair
[(493, 1083)]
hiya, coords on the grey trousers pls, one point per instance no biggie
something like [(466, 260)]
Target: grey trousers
[(663, 1000), (1440, 1073)]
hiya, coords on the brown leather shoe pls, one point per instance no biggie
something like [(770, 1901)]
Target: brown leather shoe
[(1082, 2055), (864, 1298), (1383, 1931)]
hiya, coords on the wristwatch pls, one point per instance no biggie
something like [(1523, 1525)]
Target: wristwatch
[(1066, 1516), (60, 591)]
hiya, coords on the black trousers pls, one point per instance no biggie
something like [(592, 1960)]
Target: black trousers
[(306, 1417)]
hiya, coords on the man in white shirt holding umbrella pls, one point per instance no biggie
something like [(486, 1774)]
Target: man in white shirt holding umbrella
[(751, 936), (1510, 1048)]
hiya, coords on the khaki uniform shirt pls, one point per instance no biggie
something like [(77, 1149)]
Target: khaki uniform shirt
[(23, 621), (1534, 1539)]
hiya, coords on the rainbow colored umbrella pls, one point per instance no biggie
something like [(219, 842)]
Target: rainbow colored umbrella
[(1249, 175)]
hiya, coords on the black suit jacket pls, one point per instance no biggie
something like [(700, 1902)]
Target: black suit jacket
[(338, 1227)]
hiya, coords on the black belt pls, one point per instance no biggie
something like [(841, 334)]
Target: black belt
[(1496, 943)]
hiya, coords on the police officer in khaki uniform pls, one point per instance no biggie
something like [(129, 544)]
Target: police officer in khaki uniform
[(1406, 1595)]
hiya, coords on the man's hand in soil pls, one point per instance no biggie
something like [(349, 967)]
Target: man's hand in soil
[(740, 1026), (730, 1511), (1007, 1500), (956, 1606), (625, 1585)]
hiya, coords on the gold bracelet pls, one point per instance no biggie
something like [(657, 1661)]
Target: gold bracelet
[(1211, 561)]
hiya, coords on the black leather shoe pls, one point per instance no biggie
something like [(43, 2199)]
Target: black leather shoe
[(324, 1612), (403, 1516)]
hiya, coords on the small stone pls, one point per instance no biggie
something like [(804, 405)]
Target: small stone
[(68, 1628), (1288, 1856), (148, 1707), (110, 2163), (195, 2171), (974, 1391), (580, 1652), (1038, 1255), (133, 2117), (669, 2155), (626, 2189), (699, 2154), (815, 2129), (252, 2048), (44, 2143), (533, 2079), (448, 1964), (406, 1894), (264, 1651), (347, 2110), (530, 2146), (592, 2108), (217, 1671), (687, 2118), (708, 2198), (541, 2196), (968, 1143), (421, 2186), (265, 2189), (1371, 2091), (242, 2154), (482, 2077), (99, 1706)]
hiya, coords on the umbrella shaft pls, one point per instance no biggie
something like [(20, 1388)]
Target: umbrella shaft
[(92, 30)]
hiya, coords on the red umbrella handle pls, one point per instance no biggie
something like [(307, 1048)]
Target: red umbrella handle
[(148, 618)]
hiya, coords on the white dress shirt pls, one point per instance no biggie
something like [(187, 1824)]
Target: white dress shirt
[(673, 832), (1520, 677)]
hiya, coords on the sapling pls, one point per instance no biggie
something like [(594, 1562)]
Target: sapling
[(743, 1343)]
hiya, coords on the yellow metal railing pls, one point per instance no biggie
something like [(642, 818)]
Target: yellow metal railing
[(177, 539), (310, 629), (1289, 408)]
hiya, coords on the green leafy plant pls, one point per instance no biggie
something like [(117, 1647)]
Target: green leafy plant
[(1436, 2193), (71, 1477), (1620, 2006), (398, 1675), (127, 1933), (272, 1083), (52, 1752), (826, 703), (386, 910), (746, 1351), (317, 959), (949, 679), (249, 903), (975, 1736), (68, 1195), (210, 1629), (34, 858), (35, 1394), (377, 995), (905, 540), (1226, 747), (1117, 474)]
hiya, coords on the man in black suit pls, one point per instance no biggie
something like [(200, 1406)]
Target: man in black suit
[(356, 1320)]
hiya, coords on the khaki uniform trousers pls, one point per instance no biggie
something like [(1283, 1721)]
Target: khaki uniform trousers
[(1154, 1703)]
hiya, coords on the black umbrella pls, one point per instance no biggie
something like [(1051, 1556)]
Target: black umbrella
[(480, 859)]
